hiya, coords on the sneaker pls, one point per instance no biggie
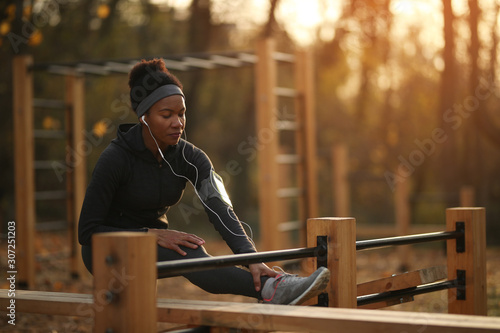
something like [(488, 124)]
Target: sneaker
[(291, 289)]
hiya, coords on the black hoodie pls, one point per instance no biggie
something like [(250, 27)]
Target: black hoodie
[(130, 191)]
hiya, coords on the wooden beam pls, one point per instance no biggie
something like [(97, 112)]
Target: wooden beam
[(254, 316), (267, 317), (305, 109), (76, 159), (472, 261), (267, 145), (24, 182), (398, 282)]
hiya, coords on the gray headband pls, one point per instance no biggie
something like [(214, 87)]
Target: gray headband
[(155, 96)]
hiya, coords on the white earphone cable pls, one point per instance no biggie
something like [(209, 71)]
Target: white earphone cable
[(194, 186)]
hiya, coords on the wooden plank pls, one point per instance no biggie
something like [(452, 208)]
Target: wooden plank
[(267, 317), (403, 281), (124, 266), (24, 156), (51, 303), (472, 260), (341, 233), (254, 316)]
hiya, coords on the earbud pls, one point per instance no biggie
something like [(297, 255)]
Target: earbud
[(144, 120)]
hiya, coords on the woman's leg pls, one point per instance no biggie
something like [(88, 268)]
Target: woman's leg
[(226, 280)]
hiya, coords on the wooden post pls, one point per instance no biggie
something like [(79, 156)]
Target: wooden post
[(467, 196), (124, 266), (472, 261), (402, 215), (22, 79), (341, 233), (341, 193), (306, 135), (76, 161), (267, 144)]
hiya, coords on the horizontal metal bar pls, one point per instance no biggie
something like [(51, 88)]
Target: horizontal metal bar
[(406, 240), (179, 267), (389, 295)]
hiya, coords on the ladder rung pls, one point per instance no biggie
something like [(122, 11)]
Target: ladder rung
[(51, 225), (288, 159), (49, 103), (49, 134), (226, 61), (50, 195), (247, 57), (286, 125), (48, 164), (290, 192), (289, 226), (285, 57), (92, 69), (201, 63), (285, 92)]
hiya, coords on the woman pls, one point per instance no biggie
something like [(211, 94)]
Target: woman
[(143, 172)]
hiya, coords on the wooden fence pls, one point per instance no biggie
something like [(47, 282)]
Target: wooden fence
[(124, 298)]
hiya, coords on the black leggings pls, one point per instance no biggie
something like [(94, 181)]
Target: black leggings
[(226, 280)]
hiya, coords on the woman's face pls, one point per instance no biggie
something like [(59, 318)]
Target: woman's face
[(166, 119)]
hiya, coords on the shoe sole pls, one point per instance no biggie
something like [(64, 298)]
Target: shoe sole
[(314, 289)]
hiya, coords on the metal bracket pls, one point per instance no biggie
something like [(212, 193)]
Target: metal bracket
[(322, 254), (323, 299), (461, 291), (460, 244), (322, 261)]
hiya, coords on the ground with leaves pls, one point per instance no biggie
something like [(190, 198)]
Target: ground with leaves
[(52, 275)]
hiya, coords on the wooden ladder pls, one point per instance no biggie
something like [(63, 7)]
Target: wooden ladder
[(285, 204)]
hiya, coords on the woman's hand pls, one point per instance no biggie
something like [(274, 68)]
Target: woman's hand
[(259, 270), (172, 239)]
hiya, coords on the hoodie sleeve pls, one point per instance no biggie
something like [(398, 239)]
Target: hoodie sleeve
[(109, 171), (220, 214)]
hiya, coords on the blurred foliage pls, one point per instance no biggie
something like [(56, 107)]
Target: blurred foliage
[(379, 95)]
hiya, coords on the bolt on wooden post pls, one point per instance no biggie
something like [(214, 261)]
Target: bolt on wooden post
[(471, 261), (341, 234), (124, 267)]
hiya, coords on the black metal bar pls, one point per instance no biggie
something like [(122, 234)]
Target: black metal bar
[(179, 267), (405, 240), (423, 289)]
